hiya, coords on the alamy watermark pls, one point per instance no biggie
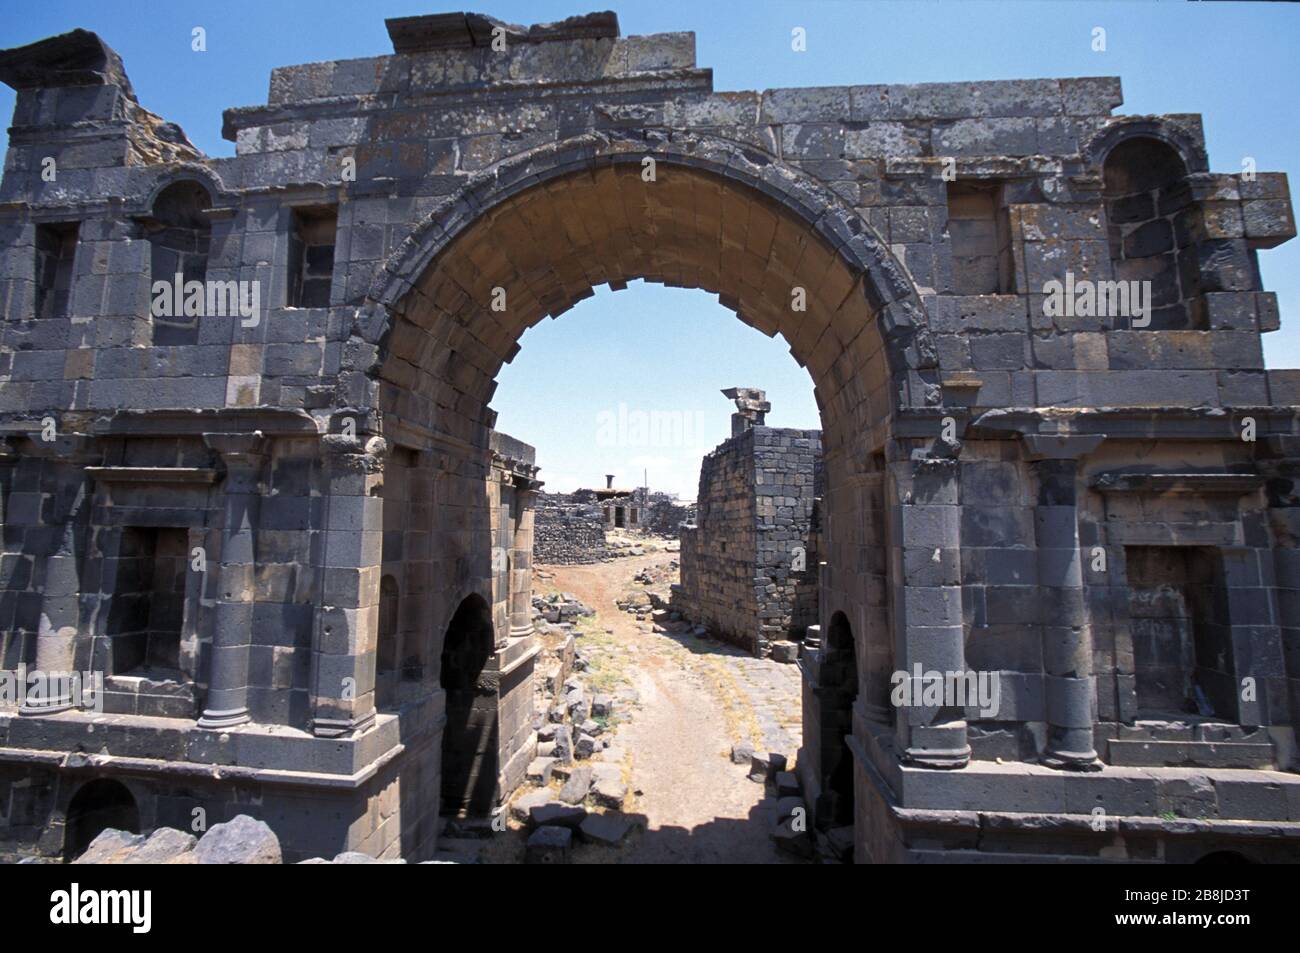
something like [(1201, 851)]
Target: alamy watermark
[(38, 689), (649, 428), (934, 689), (1085, 298), (179, 298)]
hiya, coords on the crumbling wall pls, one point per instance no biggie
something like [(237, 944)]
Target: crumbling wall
[(663, 515), (568, 533), (748, 565)]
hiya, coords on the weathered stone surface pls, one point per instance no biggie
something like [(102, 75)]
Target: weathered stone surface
[(241, 840), (109, 846), (575, 789)]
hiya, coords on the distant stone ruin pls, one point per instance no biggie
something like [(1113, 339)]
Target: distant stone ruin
[(749, 563)]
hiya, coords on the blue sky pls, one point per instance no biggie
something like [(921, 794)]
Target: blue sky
[(665, 350)]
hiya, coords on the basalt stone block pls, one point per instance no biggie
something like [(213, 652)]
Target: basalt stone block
[(241, 840), (549, 845)]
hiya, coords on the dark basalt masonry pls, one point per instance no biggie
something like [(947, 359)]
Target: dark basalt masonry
[(749, 562), (1100, 513)]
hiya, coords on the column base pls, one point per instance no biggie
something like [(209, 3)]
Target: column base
[(941, 746), (1071, 761), (50, 708), (223, 719), (339, 727), (947, 760)]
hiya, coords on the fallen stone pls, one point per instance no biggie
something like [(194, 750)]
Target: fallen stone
[(353, 857), (602, 706), (585, 746), (791, 841), (760, 767), (108, 844), (785, 652), (788, 806), (520, 809), (539, 770), (575, 789), (606, 829), (241, 840), (554, 813), (166, 845), (563, 751), (608, 792), (787, 784), (742, 753), (548, 845)]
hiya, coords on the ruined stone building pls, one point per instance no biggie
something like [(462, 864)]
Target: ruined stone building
[(749, 563), (568, 531), (621, 506), (1088, 497)]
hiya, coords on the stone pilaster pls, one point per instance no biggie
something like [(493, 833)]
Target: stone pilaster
[(56, 635), (521, 562), (928, 631), (243, 455), (347, 616), (1069, 686)]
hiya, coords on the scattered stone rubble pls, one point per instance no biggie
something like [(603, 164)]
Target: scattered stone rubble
[(580, 785), (241, 840)]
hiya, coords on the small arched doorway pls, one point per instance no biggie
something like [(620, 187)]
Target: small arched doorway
[(469, 740), (97, 806), (838, 692)]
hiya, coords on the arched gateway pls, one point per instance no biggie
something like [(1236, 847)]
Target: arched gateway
[(999, 449)]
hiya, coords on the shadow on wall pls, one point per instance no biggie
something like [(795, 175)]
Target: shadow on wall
[(469, 741)]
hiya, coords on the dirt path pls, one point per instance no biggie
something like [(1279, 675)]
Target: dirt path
[(694, 699)]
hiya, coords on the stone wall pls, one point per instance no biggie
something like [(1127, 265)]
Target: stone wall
[(664, 515), (568, 532), (749, 565)]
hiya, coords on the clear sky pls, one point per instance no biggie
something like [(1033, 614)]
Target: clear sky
[(662, 350)]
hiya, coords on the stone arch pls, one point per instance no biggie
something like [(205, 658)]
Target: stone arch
[(97, 806), (861, 306), (469, 740), (203, 175), (1146, 199), (1188, 143), (180, 237)]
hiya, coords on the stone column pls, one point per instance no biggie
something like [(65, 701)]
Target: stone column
[(59, 621), (521, 562), (243, 455), (928, 631), (1069, 686), (346, 633)]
